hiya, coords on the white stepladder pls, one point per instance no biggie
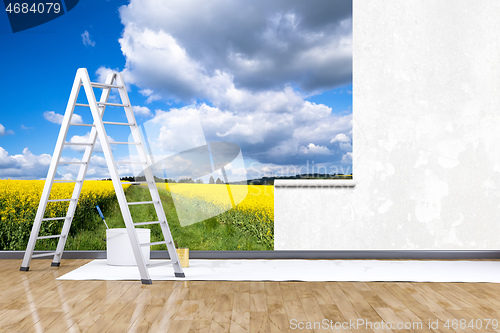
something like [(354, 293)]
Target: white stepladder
[(113, 81)]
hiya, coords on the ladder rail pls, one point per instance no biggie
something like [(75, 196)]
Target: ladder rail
[(51, 173), (115, 178), (81, 175), (148, 173)]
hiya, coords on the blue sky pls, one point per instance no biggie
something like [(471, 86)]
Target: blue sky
[(274, 78)]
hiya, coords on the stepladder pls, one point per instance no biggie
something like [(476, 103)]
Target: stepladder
[(114, 82)]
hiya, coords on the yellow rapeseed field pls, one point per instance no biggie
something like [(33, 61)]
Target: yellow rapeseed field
[(253, 212), (250, 197), (19, 199)]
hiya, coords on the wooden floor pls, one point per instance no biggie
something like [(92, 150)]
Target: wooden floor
[(35, 302)]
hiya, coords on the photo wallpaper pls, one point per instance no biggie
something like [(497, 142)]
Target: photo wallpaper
[(229, 96)]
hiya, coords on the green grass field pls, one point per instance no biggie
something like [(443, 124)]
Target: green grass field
[(211, 234)]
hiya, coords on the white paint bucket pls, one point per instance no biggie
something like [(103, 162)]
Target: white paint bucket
[(119, 251)]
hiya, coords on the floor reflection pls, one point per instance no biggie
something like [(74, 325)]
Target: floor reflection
[(34, 312), (65, 307)]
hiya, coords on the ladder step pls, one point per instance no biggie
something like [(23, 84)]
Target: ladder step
[(47, 254), (51, 236), (142, 202), (117, 123), (59, 200), (77, 144), (170, 262), (112, 104), (55, 218), (88, 125), (145, 223), (135, 183), (80, 162), (102, 85), (124, 143), (81, 104), (153, 243)]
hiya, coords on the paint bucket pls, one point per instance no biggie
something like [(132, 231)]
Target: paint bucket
[(118, 248), (183, 254)]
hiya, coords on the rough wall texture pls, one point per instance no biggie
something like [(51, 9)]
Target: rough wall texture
[(426, 135)]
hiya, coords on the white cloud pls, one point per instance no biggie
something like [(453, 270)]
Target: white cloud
[(246, 69), (57, 118), (314, 149), (267, 135), (30, 166), (3, 131), (23, 166), (141, 111), (103, 72), (156, 62), (86, 39), (345, 146), (341, 137), (344, 143), (347, 158), (260, 44), (53, 117), (85, 139), (150, 95), (175, 131)]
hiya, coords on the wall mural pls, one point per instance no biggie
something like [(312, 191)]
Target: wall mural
[(229, 97)]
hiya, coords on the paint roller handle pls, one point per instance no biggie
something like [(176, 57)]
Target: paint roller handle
[(101, 215)]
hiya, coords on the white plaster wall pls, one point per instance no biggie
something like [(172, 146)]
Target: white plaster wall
[(426, 135)]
